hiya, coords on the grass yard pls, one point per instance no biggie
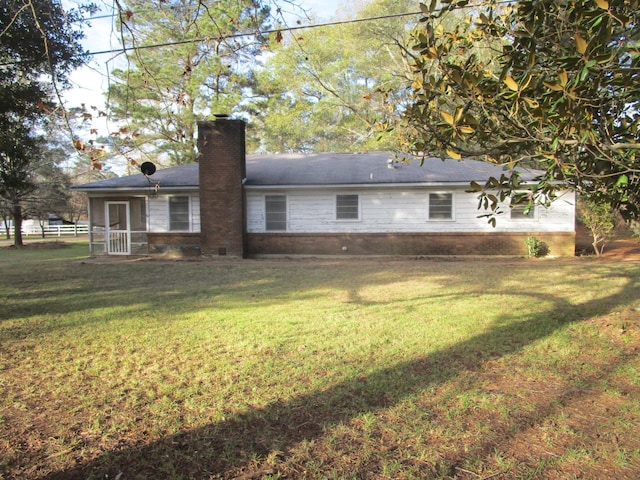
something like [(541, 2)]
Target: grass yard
[(352, 369)]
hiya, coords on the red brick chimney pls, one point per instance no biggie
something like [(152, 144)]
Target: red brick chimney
[(221, 154)]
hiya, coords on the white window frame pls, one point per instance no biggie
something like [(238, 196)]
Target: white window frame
[(286, 213), (188, 197), (453, 207), (348, 219), (520, 216)]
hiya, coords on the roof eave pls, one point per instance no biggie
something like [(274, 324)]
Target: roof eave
[(357, 185), (135, 190)]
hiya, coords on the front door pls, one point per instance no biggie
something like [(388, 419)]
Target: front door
[(118, 228)]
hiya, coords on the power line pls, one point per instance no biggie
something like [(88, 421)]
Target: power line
[(248, 34)]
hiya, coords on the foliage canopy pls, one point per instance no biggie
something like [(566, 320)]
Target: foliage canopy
[(160, 92), (323, 89), (39, 47), (561, 94)]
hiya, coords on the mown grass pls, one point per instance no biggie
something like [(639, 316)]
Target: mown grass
[(317, 369)]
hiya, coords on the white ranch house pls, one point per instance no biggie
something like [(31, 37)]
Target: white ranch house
[(317, 204)]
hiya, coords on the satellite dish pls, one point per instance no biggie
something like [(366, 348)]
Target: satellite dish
[(148, 168)]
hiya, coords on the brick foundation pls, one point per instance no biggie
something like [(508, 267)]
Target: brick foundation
[(412, 244), (180, 244)]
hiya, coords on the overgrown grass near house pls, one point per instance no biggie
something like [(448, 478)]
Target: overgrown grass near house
[(350, 369)]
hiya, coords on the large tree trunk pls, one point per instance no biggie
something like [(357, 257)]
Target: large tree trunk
[(17, 225)]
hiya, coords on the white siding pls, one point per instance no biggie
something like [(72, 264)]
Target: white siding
[(159, 213), (395, 210), (381, 211)]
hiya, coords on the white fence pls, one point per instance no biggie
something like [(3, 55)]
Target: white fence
[(55, 230)]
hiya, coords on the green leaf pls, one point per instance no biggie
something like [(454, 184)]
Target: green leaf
[(622, 180)]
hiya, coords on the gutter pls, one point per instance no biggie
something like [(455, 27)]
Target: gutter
[(134, 190)]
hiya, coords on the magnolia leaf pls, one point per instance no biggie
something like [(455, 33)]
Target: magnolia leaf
[(475, 186), (447, 117), (453, 154), (581, 44), (511, 83), (605, 58), (466, 129), (603, 4), (459, 112), (553, 86), (428, 10), (563, 77)]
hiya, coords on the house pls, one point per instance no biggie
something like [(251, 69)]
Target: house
[(228, 204)]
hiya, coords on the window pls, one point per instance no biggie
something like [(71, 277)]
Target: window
[(347, 207), (275, 207), (522, 211), (440, 206), (179, 213)]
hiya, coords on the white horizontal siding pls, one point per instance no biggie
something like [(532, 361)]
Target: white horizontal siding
[(159, 213), (381, 211), (393, 210), (195, 212)]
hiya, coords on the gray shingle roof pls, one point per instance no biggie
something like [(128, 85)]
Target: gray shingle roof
[(320, 169)]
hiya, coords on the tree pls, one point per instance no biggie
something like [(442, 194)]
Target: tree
[(203, 68), (17, 151), (31, 182), (562, 94), (51, 196), (39, 47), (323, 89), (600, 218), (5, 215)]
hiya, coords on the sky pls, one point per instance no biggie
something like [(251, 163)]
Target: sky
[(91, 81)]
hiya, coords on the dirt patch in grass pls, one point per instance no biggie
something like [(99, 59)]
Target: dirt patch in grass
[(627, 249), (584, 428)]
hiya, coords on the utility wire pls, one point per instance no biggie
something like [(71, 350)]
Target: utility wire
[(247, 34)]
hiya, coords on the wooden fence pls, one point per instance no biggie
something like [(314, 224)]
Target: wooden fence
[(55, 230)]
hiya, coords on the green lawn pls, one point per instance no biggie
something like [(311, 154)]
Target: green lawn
[(363, 369)]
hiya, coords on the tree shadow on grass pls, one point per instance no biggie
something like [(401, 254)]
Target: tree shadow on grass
[(224, 448)]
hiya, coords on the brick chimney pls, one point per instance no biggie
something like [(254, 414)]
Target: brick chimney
[(221, 154)]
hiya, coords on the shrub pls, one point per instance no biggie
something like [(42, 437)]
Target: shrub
[(536, 248)]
